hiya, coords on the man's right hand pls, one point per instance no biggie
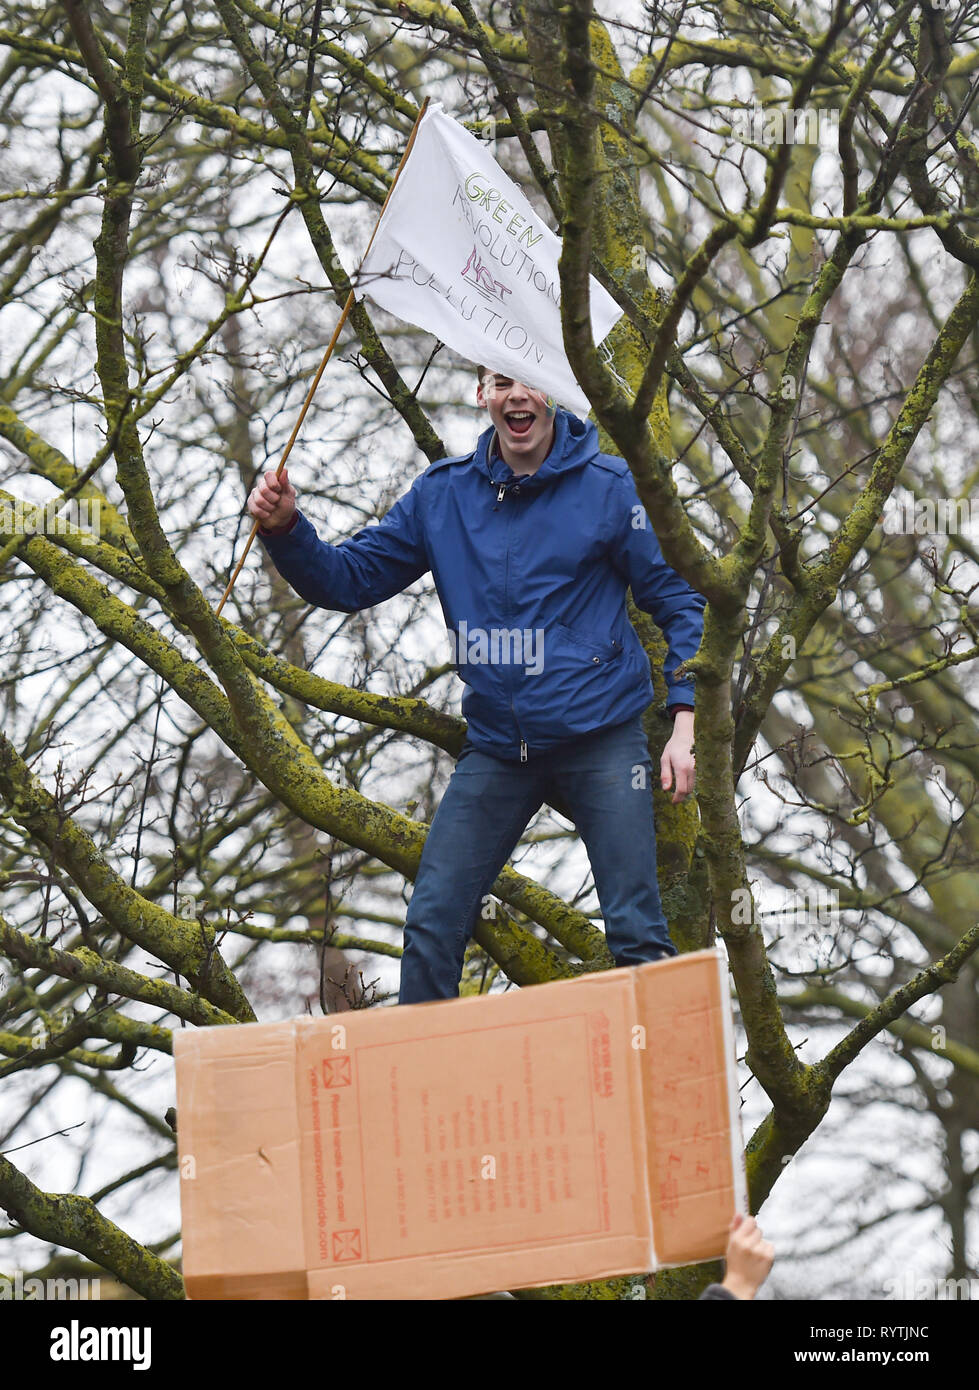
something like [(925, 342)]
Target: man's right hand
[(273, 501)]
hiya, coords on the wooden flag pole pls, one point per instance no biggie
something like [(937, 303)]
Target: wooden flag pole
[(327, 355)]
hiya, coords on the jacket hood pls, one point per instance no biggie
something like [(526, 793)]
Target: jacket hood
[(575, 442)]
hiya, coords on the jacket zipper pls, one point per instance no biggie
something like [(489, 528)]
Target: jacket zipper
[(506, 575), (523, 746)]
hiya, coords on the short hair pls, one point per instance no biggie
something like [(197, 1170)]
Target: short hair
[(482, 371)]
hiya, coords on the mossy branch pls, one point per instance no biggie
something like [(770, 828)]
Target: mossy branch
[(188, 948), (76, 1222), (284, 763), (926, 981), (85, 966), (909, 1030)]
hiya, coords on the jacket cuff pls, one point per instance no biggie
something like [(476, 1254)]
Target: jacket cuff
[(672, 709), (281, 530)]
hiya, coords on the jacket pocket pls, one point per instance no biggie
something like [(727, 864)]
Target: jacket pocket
[(600, 652)]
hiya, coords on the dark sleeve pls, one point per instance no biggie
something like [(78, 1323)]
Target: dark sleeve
[(676, 608), (716, 1292), (371, 566)]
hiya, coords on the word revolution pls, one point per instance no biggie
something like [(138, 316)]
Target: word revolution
[(495, 243)]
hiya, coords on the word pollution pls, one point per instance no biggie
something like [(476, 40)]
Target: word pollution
[(476, 308)]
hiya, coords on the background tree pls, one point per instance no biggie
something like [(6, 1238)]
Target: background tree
[(210, 819)]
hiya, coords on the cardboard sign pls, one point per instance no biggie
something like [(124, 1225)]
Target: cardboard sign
[(568, 1132)]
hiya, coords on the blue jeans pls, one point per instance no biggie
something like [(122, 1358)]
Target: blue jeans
[(485, 810)]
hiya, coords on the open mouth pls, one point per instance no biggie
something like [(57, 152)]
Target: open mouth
[(519, 421)]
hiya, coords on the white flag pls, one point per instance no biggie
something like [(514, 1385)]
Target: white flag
[(460, 253)]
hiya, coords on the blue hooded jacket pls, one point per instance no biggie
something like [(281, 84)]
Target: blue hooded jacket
[(531, 573)]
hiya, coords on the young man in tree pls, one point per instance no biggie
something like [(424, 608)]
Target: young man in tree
[(532, 539)]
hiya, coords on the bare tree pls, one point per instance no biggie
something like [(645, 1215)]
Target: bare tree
[(206, 819)]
